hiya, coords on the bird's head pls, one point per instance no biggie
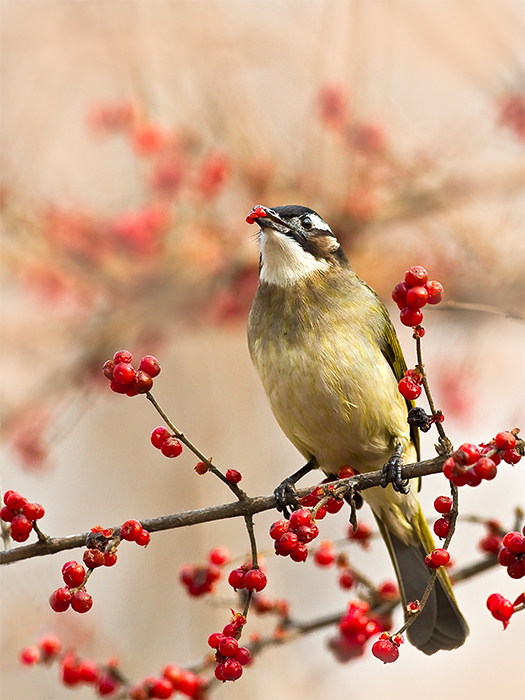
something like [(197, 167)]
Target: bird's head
[(295, 243)]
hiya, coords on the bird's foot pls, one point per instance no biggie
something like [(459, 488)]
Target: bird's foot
[(391, 473), (286, 497)]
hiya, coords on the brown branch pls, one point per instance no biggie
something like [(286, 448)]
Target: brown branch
[(245, 507)]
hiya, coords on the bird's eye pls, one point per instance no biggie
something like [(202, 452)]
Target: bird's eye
[(306, 222)]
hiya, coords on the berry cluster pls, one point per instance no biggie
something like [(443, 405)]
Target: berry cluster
[(163, 440), (386, 648), (332, 504), (132, 531), (414, 293), (230, 657), (200, 580), (101, 550), (470, 464), (125, 379), (74, 592), (252, 579), (512, 554), (21, 514), (45, 651), (356, 627), (291, 536), (502, 609)]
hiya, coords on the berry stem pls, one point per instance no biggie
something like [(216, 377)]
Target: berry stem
[(241, 495), (443, 439)]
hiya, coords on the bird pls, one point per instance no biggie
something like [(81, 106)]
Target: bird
[(330, 362)]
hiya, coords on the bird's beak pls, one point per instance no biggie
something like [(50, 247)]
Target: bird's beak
[(263, 216)]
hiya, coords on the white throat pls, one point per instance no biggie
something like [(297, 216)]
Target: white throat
[(284, 262)]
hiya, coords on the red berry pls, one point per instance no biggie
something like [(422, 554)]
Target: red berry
[(485, 468), (171, 447), (143, 538), (117, 387), (467, 454), (399, 294), (346, 579), (385, 650), (442, 527), (410, 317), (88, 671), (308, 533), (69, 670), (161, 688), (288, 541), (473, 479), (122, 356), (130, 530), (505, 440), (243, 656), (21, 528), (434, 291), (14, 500), (325, 554), (110, 558), (506, 557), (255, 580), (231, 669), (416, 275), (60, 599), (443, 504), (81, 601), (511, 456), (158, 436), (201, 468), (516, 569), (29, 656), (493, 599), (124, 373), (388, 590), (236, 578), (299, 552), (501, 608), (409, 389), (227, 646), (303, 516), (50, 645), (6, 514), (73, 574), (107, 684), (440, 557), (107, 368), (490, 544), (416, 297), (150, 365), (33, 511), (142, 382), (214, 639), (219, 556), (93, 558), (233, 476), (515, 541)]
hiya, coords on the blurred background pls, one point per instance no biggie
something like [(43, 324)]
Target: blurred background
[(136, 136)]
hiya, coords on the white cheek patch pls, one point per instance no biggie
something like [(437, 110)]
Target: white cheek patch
[(319, 223), (284, 262)]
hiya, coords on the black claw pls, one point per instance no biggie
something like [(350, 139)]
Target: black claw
[(391, 473), (286, 497)]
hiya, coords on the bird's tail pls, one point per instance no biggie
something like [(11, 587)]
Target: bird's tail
[(440, 625)]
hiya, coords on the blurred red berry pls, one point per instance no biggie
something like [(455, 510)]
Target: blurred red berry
[(219, 556), (30, 656)]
